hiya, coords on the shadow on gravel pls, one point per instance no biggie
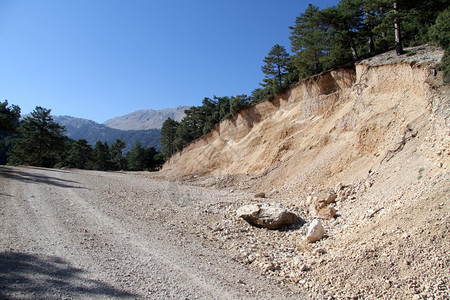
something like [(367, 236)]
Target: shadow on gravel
[(36, 178), (30, 276)]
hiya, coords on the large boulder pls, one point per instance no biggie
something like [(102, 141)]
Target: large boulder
[(266, 215)]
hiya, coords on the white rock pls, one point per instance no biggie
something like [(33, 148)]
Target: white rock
[(315, 231)]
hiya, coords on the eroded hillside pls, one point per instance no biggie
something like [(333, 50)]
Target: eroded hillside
[(378, 136), (330, 128)]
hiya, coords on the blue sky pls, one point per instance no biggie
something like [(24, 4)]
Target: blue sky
[(98, 59)]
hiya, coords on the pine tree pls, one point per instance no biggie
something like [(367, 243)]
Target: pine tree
[(440, 31), (101, 156), (152, 159), (239, 102), (349, 21), (309, 42), (440, 34), (377, 33), (136, 158), (9, 123), (260, 94), (168, 136), (276, 68), (207, 115), (79, 155), (40, 138), (397, 32), (118, 162), (417, 17), (9, 117)]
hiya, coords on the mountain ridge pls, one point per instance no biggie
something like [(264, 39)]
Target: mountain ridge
[(79, 128), (146, 118), (140, 126)]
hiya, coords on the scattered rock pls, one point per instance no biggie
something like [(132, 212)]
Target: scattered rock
[(270, 267), (372, 212), (339, 187), (305, 268), (322, 211), (260, 195), (320, 251), (331, 198), (265, 215), (315, 231), (274, 191), (343, 192), (323, 198), (326, 213)]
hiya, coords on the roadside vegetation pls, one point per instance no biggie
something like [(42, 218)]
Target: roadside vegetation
[(38, 141)]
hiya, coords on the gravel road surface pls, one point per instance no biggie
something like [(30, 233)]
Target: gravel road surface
[(72, 234)]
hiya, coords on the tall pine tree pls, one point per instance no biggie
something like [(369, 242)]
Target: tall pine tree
[(118, 162), (9, 117), (276, 68), (309, 42), (40, 139), (168, 136), (9, 122)]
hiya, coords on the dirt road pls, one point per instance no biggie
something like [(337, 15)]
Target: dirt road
[(72, 234)]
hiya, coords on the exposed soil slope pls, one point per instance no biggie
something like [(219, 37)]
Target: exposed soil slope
[(377, 134), (331, 127)]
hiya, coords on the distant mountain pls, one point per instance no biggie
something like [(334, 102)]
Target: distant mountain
[(77, 128), (146, 119)]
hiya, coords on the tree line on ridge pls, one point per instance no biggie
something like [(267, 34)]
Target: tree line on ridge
[(323, 39)]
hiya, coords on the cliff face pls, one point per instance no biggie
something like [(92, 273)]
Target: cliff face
[(335, 126)]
